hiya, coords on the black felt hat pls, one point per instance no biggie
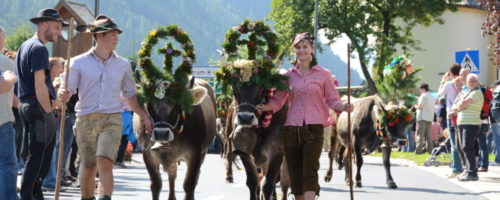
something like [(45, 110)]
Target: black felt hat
[(48, 14), (102, 23)]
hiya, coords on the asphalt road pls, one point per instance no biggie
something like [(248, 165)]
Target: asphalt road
[(414, 184)]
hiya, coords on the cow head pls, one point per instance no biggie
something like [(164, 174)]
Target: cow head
[(169, 118), (395, 120), (245, 118), (246, 99)]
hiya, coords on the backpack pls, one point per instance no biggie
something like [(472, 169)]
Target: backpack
[(488, 96), (495, 105)]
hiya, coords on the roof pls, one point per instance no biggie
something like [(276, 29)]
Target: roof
[(470, 4), (85, 13), (81, 9)]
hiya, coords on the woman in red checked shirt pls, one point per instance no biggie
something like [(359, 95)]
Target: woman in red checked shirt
[(311, 88)]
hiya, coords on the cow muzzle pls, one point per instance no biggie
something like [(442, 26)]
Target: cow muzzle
[(161, 137), (246, 119)]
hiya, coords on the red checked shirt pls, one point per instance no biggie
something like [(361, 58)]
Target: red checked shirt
[(310, 92)]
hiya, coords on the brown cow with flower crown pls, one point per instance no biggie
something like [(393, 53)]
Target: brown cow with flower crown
[(182, 109), (373, 125), (253, 136)]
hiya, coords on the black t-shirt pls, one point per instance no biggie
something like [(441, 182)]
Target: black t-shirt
[(32, 56)]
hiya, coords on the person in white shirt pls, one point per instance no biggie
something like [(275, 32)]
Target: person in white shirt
[(425, 115)]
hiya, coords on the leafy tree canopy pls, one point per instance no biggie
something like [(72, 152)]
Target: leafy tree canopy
[(388, 21)]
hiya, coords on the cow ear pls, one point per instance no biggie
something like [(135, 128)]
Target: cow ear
[(199, 93)]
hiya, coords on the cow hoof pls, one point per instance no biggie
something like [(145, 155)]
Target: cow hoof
[(229, 180), (358, 184), (391, 184), (328, 179)]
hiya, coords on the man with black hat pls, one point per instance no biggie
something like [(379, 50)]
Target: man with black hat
[(36, 93), (101, 77)]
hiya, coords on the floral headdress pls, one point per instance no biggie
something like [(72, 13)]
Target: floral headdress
[(254, 70), (155, 84)]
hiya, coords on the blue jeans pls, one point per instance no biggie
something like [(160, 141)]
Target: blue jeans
[(495, 130), (456, 163), (483, 146), (410, 146), (8, 162), (489, 140), (50, 179)]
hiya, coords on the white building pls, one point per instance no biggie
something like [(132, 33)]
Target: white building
[(461, 31)]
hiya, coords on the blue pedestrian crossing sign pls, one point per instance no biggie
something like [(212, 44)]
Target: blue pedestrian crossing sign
[(468, 60)]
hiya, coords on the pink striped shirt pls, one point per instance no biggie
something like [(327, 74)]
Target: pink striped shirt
[(307, 99)]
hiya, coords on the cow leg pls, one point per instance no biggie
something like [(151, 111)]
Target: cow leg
[(346, 169), (172, 175), (331, 157), (386, 156), (359, 164), (230, 157), (192, 174), (340, 157), (268, 183), (153, 168), (284, 180), (252, 175)]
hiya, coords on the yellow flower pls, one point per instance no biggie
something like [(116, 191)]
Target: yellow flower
[(141, 52), (154, 33)]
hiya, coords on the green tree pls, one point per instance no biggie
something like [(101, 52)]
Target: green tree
[(21, 34), (388, 21), (399, 80)]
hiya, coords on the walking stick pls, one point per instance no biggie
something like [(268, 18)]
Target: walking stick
[(63, 115), (349, 135)]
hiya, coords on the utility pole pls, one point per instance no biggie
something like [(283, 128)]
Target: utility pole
[(96, 12), (96, 8), (316, 16)]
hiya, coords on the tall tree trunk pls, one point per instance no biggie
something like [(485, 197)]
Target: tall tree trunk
[(371, 84), (384, 51)]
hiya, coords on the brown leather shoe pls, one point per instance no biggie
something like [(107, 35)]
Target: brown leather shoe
[(482, 169)]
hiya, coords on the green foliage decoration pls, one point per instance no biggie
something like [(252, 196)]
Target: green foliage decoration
[(395, 115), (254, 70), (400, 78), (223, 101), (167, 86)]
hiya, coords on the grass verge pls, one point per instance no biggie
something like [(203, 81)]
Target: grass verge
[(444, 158)]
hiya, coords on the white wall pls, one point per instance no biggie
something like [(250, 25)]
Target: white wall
[(461, 31)]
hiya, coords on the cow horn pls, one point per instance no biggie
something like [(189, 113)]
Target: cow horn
[(382, 106)]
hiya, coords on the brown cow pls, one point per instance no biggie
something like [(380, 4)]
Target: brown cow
[(258, 148), (364, 118), (167, 147)]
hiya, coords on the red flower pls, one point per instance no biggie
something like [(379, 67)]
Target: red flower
[(391, 124), (251, 43), (408, 118), (396, 120), (242, 29)]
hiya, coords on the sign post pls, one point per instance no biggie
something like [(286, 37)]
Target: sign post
[(468, 60)]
